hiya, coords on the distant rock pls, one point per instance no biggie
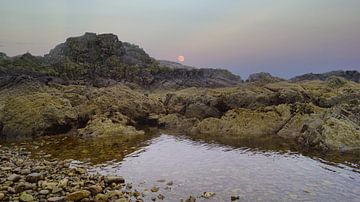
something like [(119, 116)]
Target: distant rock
[(103, 60), (263, 77), (348, 75), (96, 49), (173, 65)]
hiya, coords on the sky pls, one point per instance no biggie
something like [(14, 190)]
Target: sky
[(283, 37)]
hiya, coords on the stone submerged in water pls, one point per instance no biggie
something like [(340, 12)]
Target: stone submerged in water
[(114, 179)]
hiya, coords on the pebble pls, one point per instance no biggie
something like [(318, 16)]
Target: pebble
[(208, 195), (95, 189), (114, 179), (56, 199), (78, 195), (161, 197), (34, 177), (2, 196), (234, 198), (14, 177), (170, 183), (155, 189), (44, 192), (25, 197)]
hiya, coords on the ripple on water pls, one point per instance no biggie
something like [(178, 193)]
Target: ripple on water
[(254, 173)]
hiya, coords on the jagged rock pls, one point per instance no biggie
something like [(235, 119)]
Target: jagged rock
[(263, 78), (348, 75)]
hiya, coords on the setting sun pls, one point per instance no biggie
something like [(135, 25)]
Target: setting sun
[(181, 58)]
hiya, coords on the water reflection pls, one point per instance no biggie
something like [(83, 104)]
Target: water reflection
[(197, 166), (256, 170)]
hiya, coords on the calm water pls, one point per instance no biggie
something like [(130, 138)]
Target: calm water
[(194, 167)]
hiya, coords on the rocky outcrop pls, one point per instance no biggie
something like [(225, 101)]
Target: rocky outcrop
[(263, 78), (103, 60), (348, 75)]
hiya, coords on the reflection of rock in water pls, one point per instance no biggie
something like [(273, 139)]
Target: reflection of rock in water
[(93, 150)]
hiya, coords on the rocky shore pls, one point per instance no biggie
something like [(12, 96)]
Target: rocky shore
[(25, 179), (96, 85)]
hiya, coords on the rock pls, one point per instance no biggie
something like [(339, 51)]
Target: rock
[(95, 189), (78, 195), (2, 196), (101, 198), (34, 177), (263, 78), (14, 177), (25, 172), (234, 198), (25, 197), (190, 199), (63, 183), (161, 197), (208, 195), (170, 183), (154, 189), (44, 192), (56, 199), (114, 179)]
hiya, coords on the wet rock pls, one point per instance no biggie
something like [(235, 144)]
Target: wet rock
[(101, 198), (34, 177), (95, 189), (191, 199), (14, 177), (161, 197), (114, 179), (155, 189), (25, 197), (78, 195), (208, 195)]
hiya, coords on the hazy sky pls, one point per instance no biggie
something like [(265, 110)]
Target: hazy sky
[(283, 37)]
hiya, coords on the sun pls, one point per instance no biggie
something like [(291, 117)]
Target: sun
[(181, 58)]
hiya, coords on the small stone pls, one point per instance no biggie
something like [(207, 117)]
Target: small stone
[(101, 198), (190, 199), (2, 196), (114, 179), (78, 195), (170, 183), (155, 189), (63, 183), (208, 194), (161, 197), (25, 197), (56, 189), (44, 192), (25, 172), (153, 198), (95, 189), (34, 177), (162, 180), (80, 171), (14, 177), (56, 199), (234, 198)]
